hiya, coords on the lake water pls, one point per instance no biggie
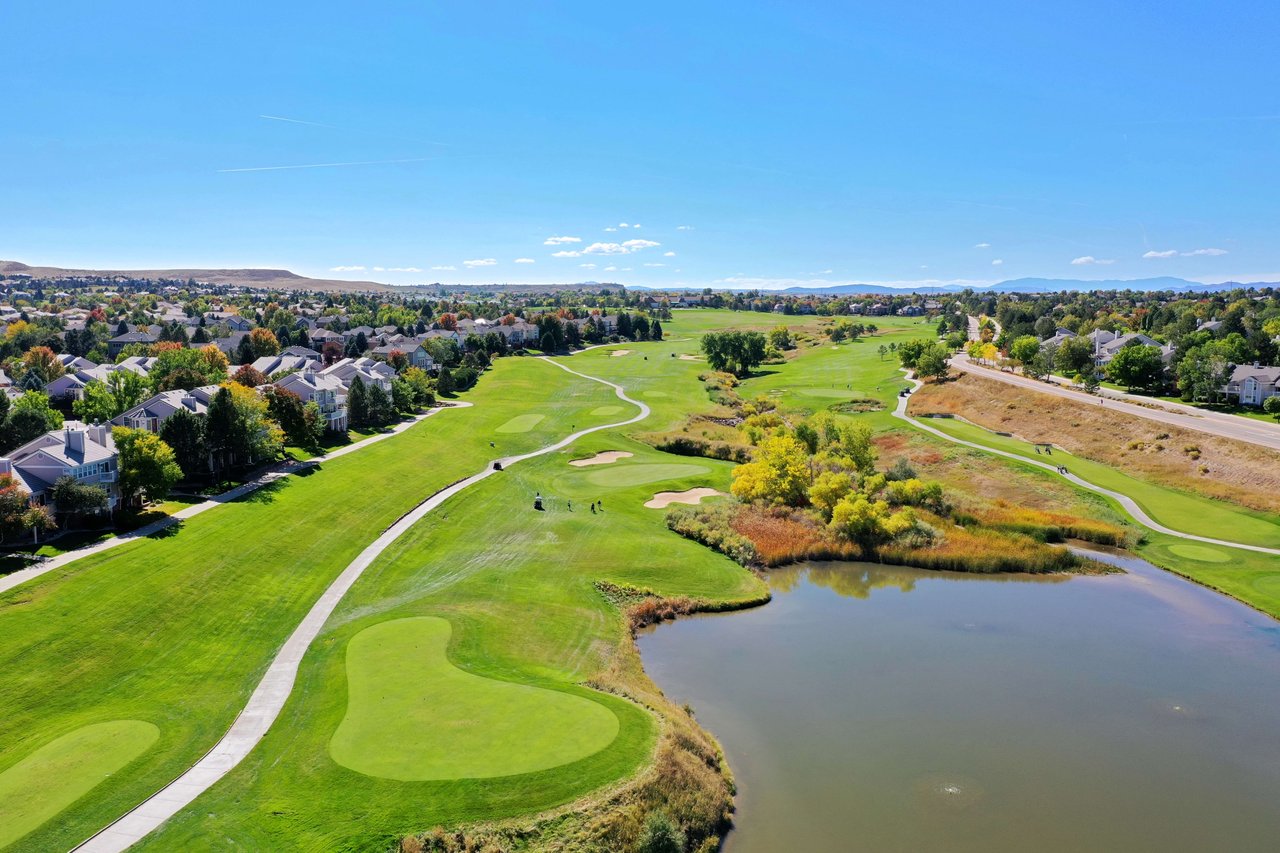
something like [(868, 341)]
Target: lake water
[(887, 709)]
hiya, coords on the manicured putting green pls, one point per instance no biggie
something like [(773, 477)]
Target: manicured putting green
[(825, 392), (601, 411), (635, 475), (1199, 552), (521, 423), (62, 771), (413, 716)]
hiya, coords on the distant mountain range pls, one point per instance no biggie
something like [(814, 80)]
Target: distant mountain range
[(286, 280), (1017, 285)]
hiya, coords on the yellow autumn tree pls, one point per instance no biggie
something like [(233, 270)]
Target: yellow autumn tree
[(779, 475)]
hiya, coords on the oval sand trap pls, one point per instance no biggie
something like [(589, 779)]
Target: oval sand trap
[(635, 475), (618, 352), (62, 771), (520, 423), (602, 458), (692, 496), (413, 716), (1199, 552)]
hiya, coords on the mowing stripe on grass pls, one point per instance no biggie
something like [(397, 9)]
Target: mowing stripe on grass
[(520, 423)]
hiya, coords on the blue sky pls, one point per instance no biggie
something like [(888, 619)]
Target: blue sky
[(741, 144)]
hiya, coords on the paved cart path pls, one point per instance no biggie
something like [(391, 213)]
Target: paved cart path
[(273, 690)]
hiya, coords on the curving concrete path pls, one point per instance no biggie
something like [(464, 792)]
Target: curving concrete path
[(1130, 506), (273, 690), (30, 573)]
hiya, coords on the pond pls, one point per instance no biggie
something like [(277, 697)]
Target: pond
[(880, 708)]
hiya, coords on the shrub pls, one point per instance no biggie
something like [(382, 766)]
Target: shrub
[(660, 835), (712, 526)]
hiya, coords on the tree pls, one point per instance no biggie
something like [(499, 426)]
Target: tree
[(358, 403), (263, 342), (287, 410), (779, 475), (184, 432), (1204, 370), (43, 364), (188, 368), (1074, 357), (932, 362), (244, 351), (238, 427), (1271, 406), (17, 515), (781, 338), (148, 468), (381, 409), (1137, 367), (1024, 348), (828, 489), (96, 403), (249, 376), (73, 498), (655, 330), (870, 522), (660, 835), (734, 351), (420, 383)]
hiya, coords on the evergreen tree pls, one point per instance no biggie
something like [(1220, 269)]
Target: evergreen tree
[(357, 403), (655, 330), (381, 409), (244, 351), (184, 432), (624, 325)]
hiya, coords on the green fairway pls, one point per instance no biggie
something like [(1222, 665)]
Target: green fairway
[(414, 716), (1180, 511), (57, 774), (520, 423), (604, 411), (177, 629), (634, 475)]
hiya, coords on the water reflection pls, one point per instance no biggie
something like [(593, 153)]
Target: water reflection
[(857, 580), (1132, 711)]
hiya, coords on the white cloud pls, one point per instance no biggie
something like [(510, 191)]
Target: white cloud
[(983, 246), (623, 225), (624, 248), (1154, 254), (348, 268), (445, 267), (637, 225), (587, 266), (610, 269), (668, 254), (655, 265), (524, 260), (1210, 252), (1194, 253), (566, 253), (1088, 260), (479, 262), (998, 261), (403, 269), (684, 228), (556, 241), (611, 228)]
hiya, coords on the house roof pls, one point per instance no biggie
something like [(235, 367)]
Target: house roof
[(1264, 374)]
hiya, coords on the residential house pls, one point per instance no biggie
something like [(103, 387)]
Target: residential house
[(87, 453), (325, 391), (416, 353), (152, 413), (231, 320), (119, 342), (1252, 384), (1107, 344), (370, 371), (270, 365)]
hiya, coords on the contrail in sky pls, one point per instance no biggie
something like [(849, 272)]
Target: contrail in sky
[(326, 165), (373, 134)]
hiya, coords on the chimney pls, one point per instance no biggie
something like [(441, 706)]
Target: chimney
[(75, 440), (189, 402), (6, 467)]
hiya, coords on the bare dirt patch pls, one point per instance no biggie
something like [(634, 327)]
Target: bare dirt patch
[(693, 496), (603, 458), (1209, 465), (618, 352)]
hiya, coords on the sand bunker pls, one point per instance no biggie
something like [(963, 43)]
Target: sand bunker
[(692, 496), (601, 458), (619, 352), (687, 357)]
